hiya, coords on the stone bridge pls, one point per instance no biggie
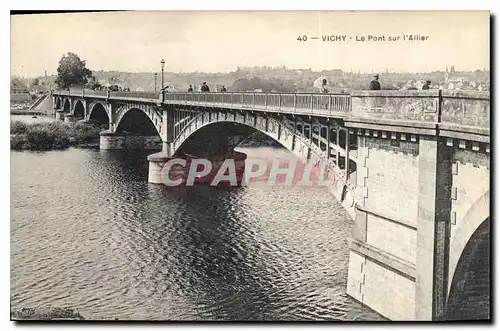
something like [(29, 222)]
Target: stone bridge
[(412, 168)]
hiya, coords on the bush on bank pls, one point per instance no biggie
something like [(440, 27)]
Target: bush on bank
[(18, 127), (45, 313), (51, 135)]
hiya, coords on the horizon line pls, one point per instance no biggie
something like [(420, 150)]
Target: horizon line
[(350, 71)]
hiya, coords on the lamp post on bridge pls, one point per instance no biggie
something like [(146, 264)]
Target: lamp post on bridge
[(156, 74), (162, 87)]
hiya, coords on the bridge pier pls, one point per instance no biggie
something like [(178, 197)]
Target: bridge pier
[(69, 118), (156, 163), (400, 246), (60, 115), (109, 140)]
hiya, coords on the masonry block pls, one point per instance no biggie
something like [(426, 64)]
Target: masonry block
[(355, 275), (392, 177), (389, 293), (363, 172), (361, 192), (393, 238), (359, 230)]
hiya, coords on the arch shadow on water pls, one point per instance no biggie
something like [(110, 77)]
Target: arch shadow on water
[(233, 267), (130, 164), (131, 250), (200, 253), (219, 271)]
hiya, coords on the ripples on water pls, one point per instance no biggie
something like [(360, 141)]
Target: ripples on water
[(89, 232)]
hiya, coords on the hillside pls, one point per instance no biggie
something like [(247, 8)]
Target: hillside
[(280, 79)]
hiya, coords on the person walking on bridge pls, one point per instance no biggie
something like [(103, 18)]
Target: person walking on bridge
[(375, 84), (324, 86), (190, 89), (426, 86), (223, 89), (204, 87)]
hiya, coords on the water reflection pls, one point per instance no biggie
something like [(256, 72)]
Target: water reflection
[(89, 232)]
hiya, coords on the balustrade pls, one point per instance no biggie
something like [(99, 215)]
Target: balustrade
[(463, 108)]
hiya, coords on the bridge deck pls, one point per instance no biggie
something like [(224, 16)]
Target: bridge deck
[(465, 111)]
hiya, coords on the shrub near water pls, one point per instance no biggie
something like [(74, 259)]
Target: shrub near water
[(18, 127), (40, 138), (85, 133), (51, 135)]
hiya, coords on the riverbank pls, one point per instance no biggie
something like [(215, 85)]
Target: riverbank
[(29, 112), (45, 313), (52, 135)]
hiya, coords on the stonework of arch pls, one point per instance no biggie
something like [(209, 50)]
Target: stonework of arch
[(68, 100), (281, 131), (91, 107), (154, 116), (476, 215), (256, 122), (58, 103), (470, 297), (75, 103)]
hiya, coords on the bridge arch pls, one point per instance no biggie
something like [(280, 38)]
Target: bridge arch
[(67, 105), (79, 109), (469, 263), (214, 138), (58, 103), (282, 130), (279, 129), (98, 113), (200, 122), (136, 121), (469, 297)]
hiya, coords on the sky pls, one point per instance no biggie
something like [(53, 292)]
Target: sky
[(136, 41)]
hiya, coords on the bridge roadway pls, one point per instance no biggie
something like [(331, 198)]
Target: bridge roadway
[(410, 167)]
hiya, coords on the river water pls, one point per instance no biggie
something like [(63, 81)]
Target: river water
[(32, 119), (89, 232)]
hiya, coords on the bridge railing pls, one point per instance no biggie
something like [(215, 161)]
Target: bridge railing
[(134, 94), (463, 108), (453, 108), (92, 93), (301, 103), (111, 94), (468, 108)]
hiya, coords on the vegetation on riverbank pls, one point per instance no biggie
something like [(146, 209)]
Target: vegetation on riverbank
[(45, 313), (52, 135), (28, 112)]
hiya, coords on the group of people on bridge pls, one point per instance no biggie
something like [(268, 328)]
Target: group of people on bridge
[(375, 84), (204, 88)]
